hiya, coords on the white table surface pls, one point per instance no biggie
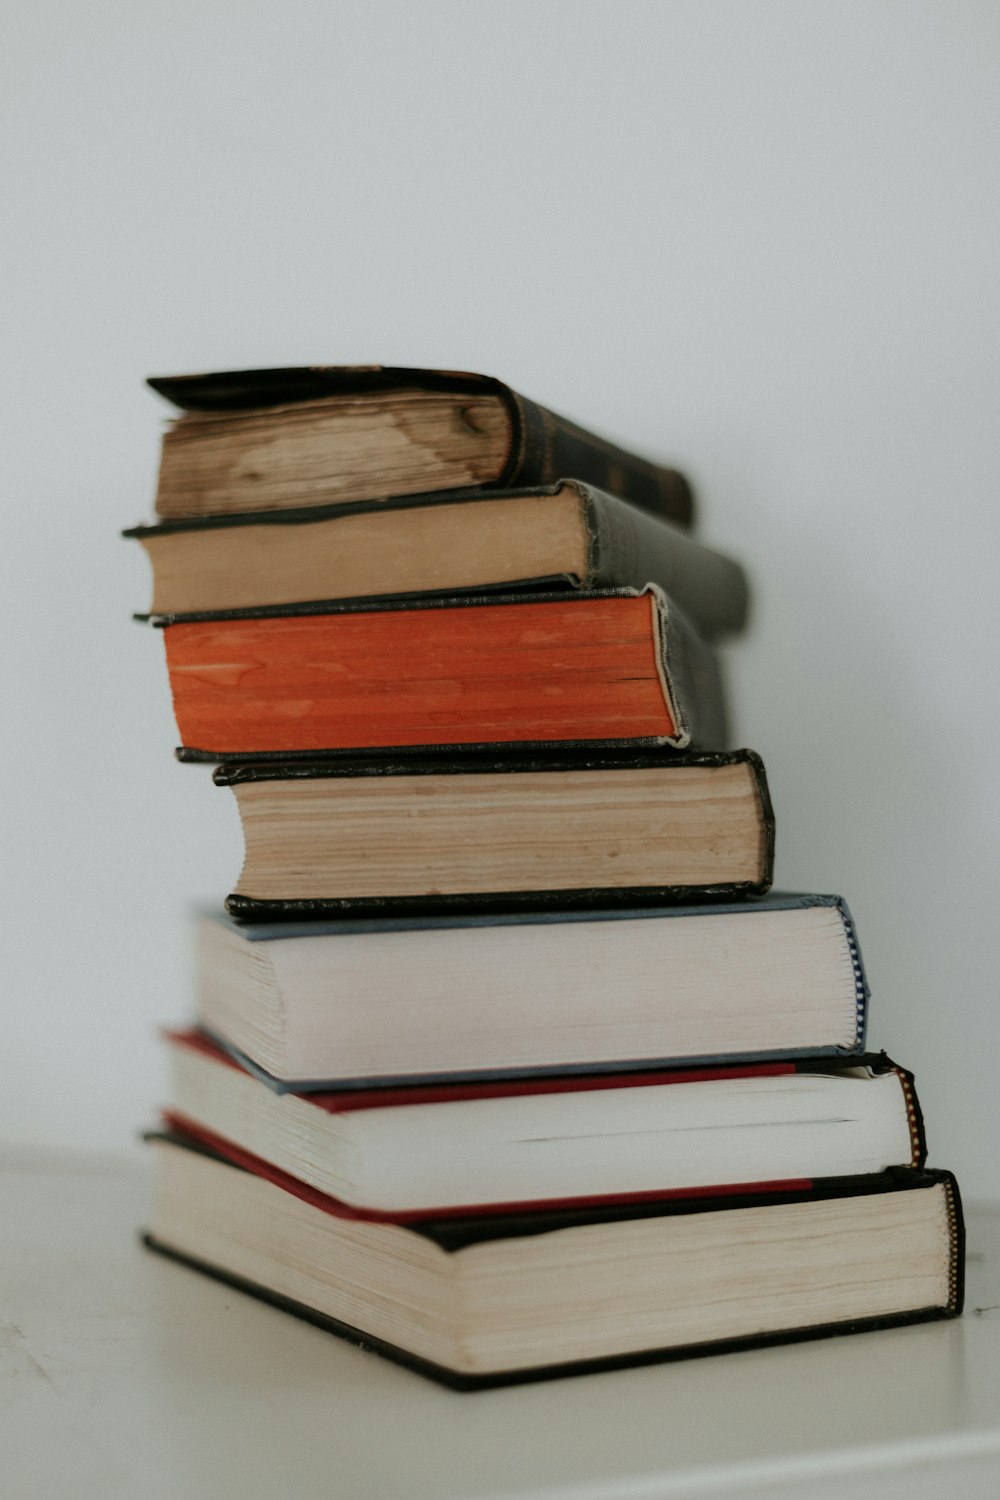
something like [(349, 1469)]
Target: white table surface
[(123, 1374)]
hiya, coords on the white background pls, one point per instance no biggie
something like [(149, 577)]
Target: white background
[(758, 239)]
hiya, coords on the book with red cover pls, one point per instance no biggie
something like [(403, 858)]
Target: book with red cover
[(613, 667), (492, 1299), (497, 1146)]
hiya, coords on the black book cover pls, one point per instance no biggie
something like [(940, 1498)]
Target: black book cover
[(563, 759), (544, 447), (628, 547), (452, 1235)]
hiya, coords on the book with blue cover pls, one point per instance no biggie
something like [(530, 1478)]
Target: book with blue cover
[(365, 1002)]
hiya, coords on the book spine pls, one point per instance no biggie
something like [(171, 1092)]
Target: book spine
[(546, 447), (630, 547), (956, 1233), (861, 990), (692, 678), (914, 1117)]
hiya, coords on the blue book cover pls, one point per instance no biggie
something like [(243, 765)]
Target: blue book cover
[(503, 997)]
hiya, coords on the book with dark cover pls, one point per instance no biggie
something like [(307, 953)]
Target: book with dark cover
[(434, 834), (560, 1292), (403, 1153), (538, 447), (564, 535), (616, 667), (359, 1002)]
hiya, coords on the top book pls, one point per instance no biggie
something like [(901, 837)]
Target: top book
[(288, 439)]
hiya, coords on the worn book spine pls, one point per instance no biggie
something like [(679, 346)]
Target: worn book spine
[(548, 447), (630, 548)]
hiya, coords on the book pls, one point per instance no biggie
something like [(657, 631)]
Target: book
[(565, 535), (373, 1001), (432, 833), (488, 1300), (601, 667), (256, 440), (501, 1146)]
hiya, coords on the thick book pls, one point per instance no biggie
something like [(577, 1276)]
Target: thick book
[(432, 833), (369, 1002), (567, 535), (403, 1153), (493, 1299), (260, 440), (595, 667)]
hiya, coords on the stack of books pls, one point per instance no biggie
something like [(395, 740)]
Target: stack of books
[(505, 1063)]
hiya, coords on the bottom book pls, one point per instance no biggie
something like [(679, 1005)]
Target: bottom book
[(490, 1300)]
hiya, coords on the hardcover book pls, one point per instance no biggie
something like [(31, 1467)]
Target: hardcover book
[(488, 1300), (427, 834), (567, 535), (367, 1002), (604, 667), (257, 440), (500, 1146)]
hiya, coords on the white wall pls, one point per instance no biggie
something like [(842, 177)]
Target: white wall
[(757, 238)]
